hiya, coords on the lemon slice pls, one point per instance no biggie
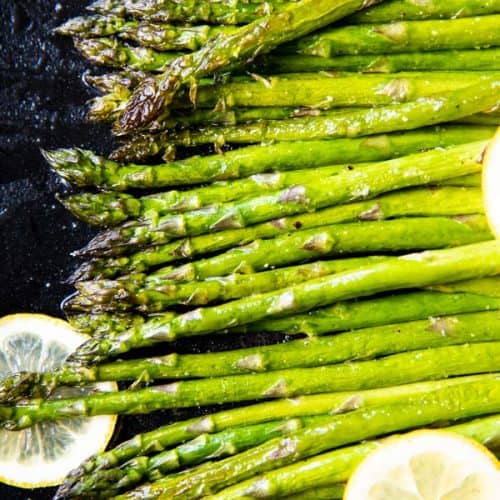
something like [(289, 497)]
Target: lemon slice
[(491, 184), (42, 455), (426, 465)]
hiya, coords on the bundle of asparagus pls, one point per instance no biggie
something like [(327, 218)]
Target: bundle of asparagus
[(367, 146)]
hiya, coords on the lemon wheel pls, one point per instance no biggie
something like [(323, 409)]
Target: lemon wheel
[(426, 465), (491, 183), (42, 455)]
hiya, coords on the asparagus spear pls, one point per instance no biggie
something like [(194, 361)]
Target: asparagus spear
[(347, 186), (355, 345), (342, 316), (223, 281), (104, 324), (112, 207), (112, 52), (290, 92), (402, 36), (154, 96), (110, 482), (429, 110), (220, 12), (328, 469), (453, 60), (332, 492), (328, 403), (393, 10), (419, 365), (157, 294), (385, 206), (84, 168), (158, 36), (241, 12), (451, 404), (417, 270)]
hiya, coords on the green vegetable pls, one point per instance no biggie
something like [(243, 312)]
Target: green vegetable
[(154, 96), (319, 474), (350, 346), (395, 369), (347, 186), (414, 270), (453, 403)]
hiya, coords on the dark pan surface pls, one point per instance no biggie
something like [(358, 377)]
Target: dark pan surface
[(42, 101)]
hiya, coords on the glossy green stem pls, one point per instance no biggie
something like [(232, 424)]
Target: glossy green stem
[(418, 366), (451, 60), (401, 36), (165, 437), (452, 403), (414, 270), (344, 347), (348, 185), (326, 469), (430, 110), (294, 20)]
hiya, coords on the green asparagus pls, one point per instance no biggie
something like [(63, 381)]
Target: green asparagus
[(84, 168), (393, 10), (438, 108), (158, 36), (348, 315), (347, 186), (402, 36), (413, 270), (157, 294), (107, 483), (328, 403), (154, 95), (220, 12), (112, 52), (385, 206), (290, 92), (448, 404), (418, 366), (327, 469), (453, 60), (110, 208), (355, 345)]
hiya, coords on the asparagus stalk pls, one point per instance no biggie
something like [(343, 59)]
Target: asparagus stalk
[(402, 36), (385, 206), (112, 207), (84, 168), (158, 294), (220, 12), (154, 96), (328, 403), (111, 52), (419, 365), (223, 281), (356, 345), (342, 316), (290, 92), (393, 10), (110, 482), (331, 492), (452, 60), (452, 403), (377, 311), (242, 12), (104, 324), (158, 36), (347, 186), (327, 470), (438, 108), (414, 270)]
